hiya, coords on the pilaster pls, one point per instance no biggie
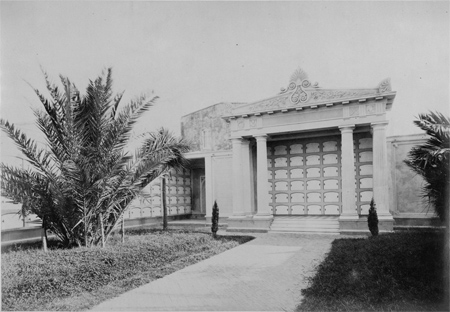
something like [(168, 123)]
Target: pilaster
[(237, 177), (247, 195), (380, 170), (208, 186)]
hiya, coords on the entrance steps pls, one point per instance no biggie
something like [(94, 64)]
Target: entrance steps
[(305, 224)]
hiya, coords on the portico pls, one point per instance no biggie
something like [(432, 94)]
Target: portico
[(311, 152)]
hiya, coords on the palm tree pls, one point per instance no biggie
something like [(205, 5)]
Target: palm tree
[(431, 161), (82, 185)]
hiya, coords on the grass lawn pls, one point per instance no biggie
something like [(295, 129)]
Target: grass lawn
[(390, 272), (80, 278)]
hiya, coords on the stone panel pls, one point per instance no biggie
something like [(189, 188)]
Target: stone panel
[(206, 129)]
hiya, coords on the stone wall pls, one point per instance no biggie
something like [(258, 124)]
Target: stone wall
[(222, 184), (407, 205), (206, 130)]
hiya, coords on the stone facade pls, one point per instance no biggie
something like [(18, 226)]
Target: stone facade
[(206, 130), (310, 155)]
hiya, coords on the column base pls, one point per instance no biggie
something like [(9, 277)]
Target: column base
[(263, 216), (385, 216), (359, 226), (255, 224), (349, 217)]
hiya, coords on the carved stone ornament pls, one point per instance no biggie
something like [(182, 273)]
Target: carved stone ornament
[(371, 109), (301, 86), (385, 86), (323, 95), (269, 104), (354, 111)]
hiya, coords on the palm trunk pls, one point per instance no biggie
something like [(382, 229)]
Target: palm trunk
[(123, 229), (102, 230), (85, 224), (44, 236), (164, 203)]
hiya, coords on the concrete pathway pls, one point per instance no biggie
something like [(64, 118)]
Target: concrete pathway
[(265, 274)]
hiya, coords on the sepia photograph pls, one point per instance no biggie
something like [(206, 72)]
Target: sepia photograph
[(225, 155)]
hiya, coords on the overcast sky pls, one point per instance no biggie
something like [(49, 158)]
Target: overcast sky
[(195, 54)]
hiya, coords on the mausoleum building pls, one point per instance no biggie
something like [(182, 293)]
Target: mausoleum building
[(308, 159)]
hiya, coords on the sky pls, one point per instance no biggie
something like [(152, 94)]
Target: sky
[(196, 54)]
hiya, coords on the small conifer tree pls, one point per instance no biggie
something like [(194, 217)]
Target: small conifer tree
[(215, 220), (372, 219)]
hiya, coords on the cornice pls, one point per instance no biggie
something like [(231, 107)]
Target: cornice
[(301, 94), (269, 109)]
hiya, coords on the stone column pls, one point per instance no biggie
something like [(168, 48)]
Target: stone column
[(348, 174), (208, 186), (237, 177), (263, 209), (380, 170), (247, 195)]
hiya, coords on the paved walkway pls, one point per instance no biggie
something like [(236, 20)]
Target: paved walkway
[(265, 274)]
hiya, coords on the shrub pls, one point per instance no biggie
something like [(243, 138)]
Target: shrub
[(372, 219), (215, 220)]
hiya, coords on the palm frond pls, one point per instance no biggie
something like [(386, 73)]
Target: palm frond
[(431, 160)]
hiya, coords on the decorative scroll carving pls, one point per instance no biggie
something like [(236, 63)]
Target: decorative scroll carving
[(336, 94), (272, 103), (299, 83), (385, 86)]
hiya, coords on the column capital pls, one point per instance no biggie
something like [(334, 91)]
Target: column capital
[(379, 124), (236, 139), (261, 137), (346, 128)]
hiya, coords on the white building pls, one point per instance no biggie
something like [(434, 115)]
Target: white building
[(306, 159)]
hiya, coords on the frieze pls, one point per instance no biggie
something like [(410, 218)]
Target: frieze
[(337, 94), (354, 111), (271, 103), (361, 110), (370, 109)]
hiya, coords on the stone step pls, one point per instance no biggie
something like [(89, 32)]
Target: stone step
[(300, 226), (305, 224), (193, 224), (317, 231)]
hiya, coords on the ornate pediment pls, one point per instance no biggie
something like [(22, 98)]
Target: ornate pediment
[(299, 87), (301, 93)]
